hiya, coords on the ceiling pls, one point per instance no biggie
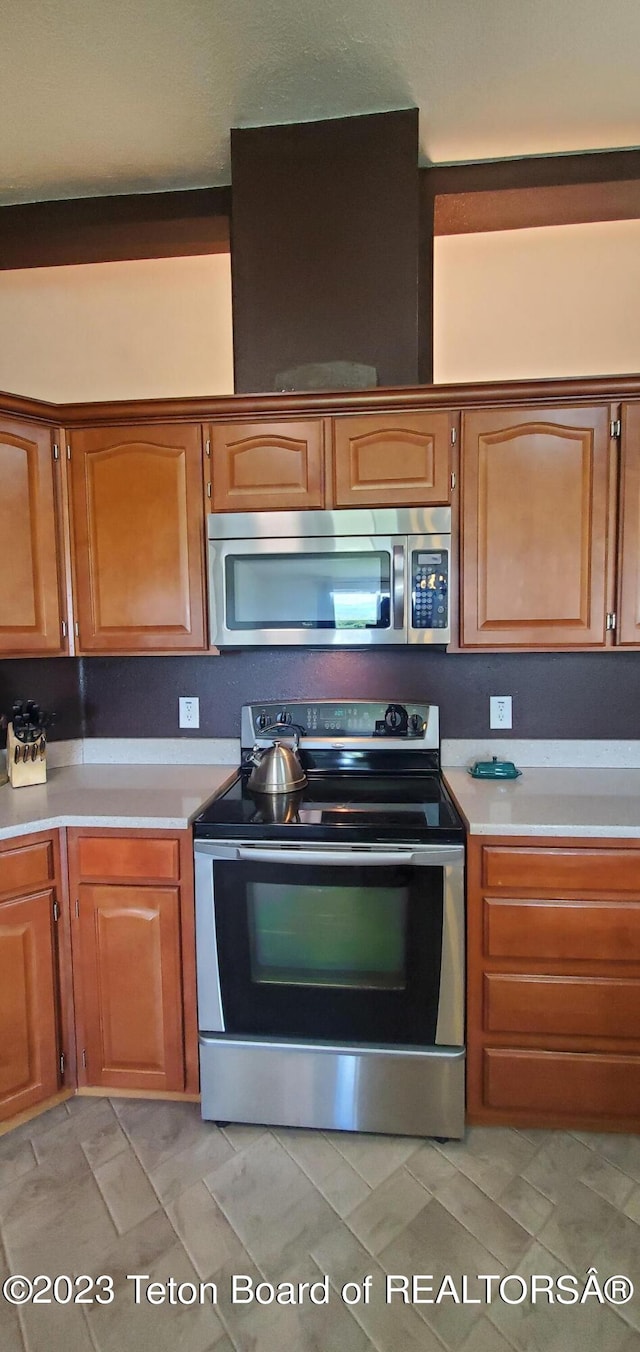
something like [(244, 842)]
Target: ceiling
[(121, 96)]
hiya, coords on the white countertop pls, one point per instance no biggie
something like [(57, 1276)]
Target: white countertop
[(543, 802), (148, 796), (550, 802)]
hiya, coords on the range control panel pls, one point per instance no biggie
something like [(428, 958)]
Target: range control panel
[(353, 718)]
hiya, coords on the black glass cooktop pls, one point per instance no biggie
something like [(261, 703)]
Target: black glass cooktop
[(348, 807)]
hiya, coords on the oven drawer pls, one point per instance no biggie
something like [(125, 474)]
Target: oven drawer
[(339, 1086)]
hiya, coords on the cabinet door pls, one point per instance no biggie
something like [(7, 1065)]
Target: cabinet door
[(30, 614), (138, 538), (29, 1055), (535, 507), (127, 970), (267, 466), (629, 565), (397, 460)]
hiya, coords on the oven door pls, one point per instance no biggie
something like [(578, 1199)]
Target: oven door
[(348, 945), (322, 592)]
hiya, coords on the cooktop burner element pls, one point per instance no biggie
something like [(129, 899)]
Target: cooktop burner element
[(373, 774)]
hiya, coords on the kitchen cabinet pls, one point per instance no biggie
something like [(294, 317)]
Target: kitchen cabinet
[(393, 460), (138, 538), (134, 959), (628, 630), (267, 465), (386, 460), (31, 614), (553, 1027), (537, 528), (30, 1025)]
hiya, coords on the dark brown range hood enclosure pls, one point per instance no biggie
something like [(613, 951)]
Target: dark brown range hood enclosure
[(328, 255)]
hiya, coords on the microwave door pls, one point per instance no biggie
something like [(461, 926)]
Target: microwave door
[(320, 592)]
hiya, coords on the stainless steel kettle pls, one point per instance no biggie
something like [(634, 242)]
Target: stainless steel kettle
[(277, 768)]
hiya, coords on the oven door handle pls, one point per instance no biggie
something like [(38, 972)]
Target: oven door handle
[(435, 856)]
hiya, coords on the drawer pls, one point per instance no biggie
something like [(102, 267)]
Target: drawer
[(567, 1084), (25, 867), (561, 870), (570, 931), (562, 1006), (128, 858)]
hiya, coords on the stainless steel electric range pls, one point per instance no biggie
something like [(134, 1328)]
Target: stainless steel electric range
[(330, 929)]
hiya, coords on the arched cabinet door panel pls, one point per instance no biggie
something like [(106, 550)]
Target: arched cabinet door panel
[(30, 611), (537, 488), (29, 1053), (138, 537), (267, 466), (397, 460), (128, 971)]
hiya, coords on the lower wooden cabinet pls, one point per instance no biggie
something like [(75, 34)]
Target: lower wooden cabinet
[(134, 959), (128, 979), (553, 983), (97, 979), (30, 1030)]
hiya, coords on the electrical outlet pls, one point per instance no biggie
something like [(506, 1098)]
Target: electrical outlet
[(189, 709), (499, 711)]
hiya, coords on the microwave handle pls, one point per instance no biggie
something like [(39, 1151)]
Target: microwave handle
[(397, 586)]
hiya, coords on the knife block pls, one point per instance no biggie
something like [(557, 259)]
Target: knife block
[(22, 773)]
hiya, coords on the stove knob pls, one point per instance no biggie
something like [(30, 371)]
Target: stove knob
[(284, 717), (262, 721), (395, 719), (416, 723)]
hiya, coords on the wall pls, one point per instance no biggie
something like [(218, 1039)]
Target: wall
[(134, 330), (559, 695), (54, 684), (552, 301)]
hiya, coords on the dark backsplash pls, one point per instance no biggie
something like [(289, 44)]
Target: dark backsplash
[(554, 695), (53, 682), (559, 695)]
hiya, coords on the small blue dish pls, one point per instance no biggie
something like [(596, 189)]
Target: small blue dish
[(494, 769)]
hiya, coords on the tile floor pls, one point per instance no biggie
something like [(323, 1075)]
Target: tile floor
[(125, 1187)]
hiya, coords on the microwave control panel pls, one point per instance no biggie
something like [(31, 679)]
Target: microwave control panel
[(430, 589)]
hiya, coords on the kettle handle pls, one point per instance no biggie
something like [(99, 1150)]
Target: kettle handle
[(290, 728), (256, 754)]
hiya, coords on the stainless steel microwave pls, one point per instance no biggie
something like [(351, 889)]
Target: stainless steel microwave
[(330, 579)]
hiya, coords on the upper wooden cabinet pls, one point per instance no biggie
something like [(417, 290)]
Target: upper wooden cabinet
[(393, 460), (267, 466), (629, 558), (138, 537), (537, 494), (30, 609)]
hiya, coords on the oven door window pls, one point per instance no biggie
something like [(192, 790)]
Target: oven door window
[(329, 951), (351, 937), (321, 590)]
